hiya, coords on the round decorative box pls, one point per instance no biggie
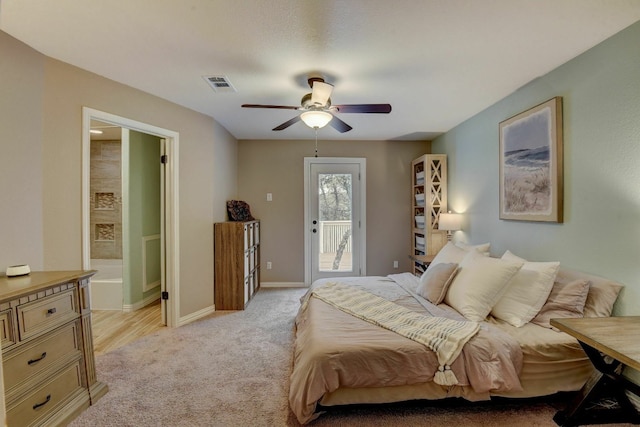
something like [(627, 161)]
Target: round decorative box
[(18, 270)]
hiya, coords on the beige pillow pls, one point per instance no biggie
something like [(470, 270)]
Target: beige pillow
[(482, 247), (449, 253), (455, 253), (435, 282), (527, 291), (602, 296), (479, 284), (566, 299)]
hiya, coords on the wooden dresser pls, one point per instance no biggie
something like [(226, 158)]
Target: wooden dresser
[(47, 347), (237, 263)]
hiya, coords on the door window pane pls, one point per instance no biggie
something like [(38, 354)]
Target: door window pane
[(335, 222)]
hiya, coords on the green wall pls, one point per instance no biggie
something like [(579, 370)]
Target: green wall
[(601, 229), (144, 215)]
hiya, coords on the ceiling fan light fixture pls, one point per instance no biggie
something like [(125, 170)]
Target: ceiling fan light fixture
[(316, 119)]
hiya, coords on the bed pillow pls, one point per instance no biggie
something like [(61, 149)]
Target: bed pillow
[(483, 247), (527, 291), (453, 253), (449, 253), (567, 299), (479, 284), (603, 293), (435, 282)]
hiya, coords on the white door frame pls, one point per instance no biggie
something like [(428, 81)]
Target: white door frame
[(171, 208), (362, 241)]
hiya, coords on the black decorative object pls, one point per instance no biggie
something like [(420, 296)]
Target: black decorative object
[(239, 211)]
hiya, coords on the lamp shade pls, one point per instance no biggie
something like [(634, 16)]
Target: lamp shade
[(316, 119), (450, 222)]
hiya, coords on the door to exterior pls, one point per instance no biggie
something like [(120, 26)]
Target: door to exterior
[(334, 217)]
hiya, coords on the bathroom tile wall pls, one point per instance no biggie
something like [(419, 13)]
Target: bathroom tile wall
[(106, 200)]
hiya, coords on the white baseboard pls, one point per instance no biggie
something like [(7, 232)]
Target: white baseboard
[(127, 308), (210, 310), (196, 315), (283, 285)]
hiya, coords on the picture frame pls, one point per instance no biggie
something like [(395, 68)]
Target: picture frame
[(531, 164)]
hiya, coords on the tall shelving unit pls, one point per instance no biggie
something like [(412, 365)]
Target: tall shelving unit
[(429, 199)]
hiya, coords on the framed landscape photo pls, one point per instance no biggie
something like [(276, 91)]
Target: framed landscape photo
[(531, 181)]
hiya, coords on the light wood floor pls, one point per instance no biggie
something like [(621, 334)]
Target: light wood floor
[(113, 329)]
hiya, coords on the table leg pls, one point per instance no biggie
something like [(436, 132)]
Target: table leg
[(607, 381)]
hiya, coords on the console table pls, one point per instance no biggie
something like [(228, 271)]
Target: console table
[(611, 343)]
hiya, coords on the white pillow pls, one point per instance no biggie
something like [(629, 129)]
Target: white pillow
[(455, 253), (527, 291), (450, 253), (479, 284), (483, 247)]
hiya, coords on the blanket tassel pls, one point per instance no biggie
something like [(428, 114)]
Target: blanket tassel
[(445, 376)]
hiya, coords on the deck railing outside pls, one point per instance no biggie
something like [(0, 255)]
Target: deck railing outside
[(331, 234)]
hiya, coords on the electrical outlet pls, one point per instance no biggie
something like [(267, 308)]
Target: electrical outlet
[(269, 265), (269, 197), (395, 264)]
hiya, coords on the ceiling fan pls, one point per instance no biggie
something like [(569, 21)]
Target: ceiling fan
[(317, 110)]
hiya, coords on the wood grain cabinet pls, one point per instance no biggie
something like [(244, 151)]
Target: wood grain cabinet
[(429, 199), (236, 263), (47, 348)]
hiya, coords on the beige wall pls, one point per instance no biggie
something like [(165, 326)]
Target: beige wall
[(21, 91), (46, 195), (277, 167)]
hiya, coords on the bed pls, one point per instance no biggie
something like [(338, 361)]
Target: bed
[(342, 357)]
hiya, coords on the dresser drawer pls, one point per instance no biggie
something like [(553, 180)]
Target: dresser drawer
[(46, 313), (46, 397), (28, 360), (7, 335)]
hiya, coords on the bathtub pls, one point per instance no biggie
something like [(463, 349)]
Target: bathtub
[(106, 284)]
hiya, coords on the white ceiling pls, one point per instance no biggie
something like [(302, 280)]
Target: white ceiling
[(437, 62)]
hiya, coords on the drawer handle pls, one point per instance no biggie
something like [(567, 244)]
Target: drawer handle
[(51, 311), (39, 405), (32, 361)]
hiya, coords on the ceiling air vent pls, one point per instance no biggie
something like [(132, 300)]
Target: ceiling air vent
[(220, 83)]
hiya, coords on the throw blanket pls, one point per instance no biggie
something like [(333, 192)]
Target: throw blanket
[(445, 337)]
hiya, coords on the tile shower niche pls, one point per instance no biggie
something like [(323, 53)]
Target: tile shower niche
[(105, 232), (106, 200)]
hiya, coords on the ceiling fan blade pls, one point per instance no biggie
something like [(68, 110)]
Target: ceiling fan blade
[(363, 108), (321, 92), (288, 123), (339, 125), (282, 107)]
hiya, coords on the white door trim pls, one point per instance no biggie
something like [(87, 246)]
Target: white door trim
[(171, 211), (362, 162)]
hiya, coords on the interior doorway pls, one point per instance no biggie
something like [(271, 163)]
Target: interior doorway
[(155, 257)]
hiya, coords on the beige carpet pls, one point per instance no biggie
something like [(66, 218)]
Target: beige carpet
[(232, 369)]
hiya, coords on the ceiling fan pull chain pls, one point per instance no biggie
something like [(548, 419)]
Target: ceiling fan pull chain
[(316, 129)]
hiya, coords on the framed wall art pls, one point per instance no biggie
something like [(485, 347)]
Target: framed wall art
[(531, 176)]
